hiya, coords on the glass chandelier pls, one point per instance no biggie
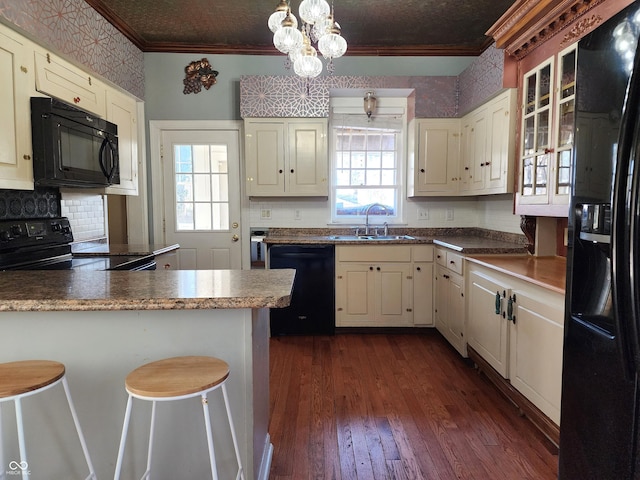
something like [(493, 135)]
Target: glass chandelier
[(318, 26)]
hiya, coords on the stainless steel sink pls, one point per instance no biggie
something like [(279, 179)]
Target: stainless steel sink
[(371, 237)]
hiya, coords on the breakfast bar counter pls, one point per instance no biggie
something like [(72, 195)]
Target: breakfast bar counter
[(102, 325)]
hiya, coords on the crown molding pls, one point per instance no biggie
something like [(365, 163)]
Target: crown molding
[(530, 23)]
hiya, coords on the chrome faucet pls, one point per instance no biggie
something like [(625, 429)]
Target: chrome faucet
[(366, 212)]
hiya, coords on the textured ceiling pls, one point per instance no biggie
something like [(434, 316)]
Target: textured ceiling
[(371, 27)]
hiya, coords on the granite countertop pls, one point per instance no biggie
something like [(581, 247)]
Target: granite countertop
[(469, 245), (466, 241), (547, 272), (64, 290), (88, 249)]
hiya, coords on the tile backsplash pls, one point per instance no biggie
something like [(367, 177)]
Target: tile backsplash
[(86, 215)]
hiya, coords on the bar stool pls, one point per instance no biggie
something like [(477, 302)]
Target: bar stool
[(22, 379), (173, 379)]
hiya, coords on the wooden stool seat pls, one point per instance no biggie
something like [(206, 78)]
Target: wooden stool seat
[(17, 378), (22, 379), (177, 377)]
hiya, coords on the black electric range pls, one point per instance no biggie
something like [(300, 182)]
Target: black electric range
[(45, 244)]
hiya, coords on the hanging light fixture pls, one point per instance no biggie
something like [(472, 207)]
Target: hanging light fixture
[(318, 26), (369, 104)]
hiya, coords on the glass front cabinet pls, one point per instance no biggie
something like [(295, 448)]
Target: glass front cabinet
[(546, 136)]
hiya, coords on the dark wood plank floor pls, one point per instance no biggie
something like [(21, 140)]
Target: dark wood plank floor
[(394, 406)]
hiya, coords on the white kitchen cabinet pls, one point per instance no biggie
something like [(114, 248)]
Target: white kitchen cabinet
[(450, 302), (374, 286), (58, 78), (473, 151), (488, 152), (123, 111), (487, 325), (547, 134), (523, 343), (435, 167), (286, 157), (535, 347), (423, 271), (16, 77)]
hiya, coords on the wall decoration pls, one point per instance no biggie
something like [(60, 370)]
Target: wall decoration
[(198, 74)]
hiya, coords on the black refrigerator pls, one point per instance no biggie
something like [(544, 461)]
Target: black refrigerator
[(601, 360)]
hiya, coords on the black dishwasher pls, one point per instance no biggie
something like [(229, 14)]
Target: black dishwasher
[(312, 308)]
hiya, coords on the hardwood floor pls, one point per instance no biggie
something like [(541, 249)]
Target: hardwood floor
[(394, 406)]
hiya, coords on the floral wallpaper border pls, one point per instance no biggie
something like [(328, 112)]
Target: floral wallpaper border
[(435, 97), (76, 30)]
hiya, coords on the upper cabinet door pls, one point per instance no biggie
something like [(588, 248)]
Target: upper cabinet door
[(286, 157), (57, 78), (547, 133), (123, 111), (437, 155), (16, 77)]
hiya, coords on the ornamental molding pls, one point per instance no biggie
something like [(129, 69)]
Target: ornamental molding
[(530, 23)]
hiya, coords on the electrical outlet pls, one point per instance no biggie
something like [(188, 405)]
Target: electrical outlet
[(448, 215), (297, 214), (265, 213), (423, 213)]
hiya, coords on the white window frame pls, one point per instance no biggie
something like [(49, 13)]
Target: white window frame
[(395, 107)]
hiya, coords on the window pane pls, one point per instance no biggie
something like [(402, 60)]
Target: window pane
[(389, 141), (201, 158), (374, 141), (350, 201), (184, 216), (389, 160), (203, 216), (357, 177), (219, 159), (184, 188), (373, 160), (357, 160), (373, 177), (202, 188), (342, 177), (220, 192), (357, 142), (388, 177), (183, 158)]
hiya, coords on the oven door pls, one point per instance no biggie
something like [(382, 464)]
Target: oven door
[(114, 262)]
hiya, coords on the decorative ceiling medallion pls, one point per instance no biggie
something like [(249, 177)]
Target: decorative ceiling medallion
[(580, 29), (530, 23)]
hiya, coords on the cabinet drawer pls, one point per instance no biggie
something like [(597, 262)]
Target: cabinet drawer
[(423, 253), (454, 262), (374, 253), (441, 257)]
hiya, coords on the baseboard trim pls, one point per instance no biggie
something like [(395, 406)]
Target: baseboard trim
[(543, 423)]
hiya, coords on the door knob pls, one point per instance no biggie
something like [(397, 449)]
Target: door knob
[(235, 238)]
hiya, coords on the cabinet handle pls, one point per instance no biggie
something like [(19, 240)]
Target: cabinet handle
[(498, 303), (510, 316)]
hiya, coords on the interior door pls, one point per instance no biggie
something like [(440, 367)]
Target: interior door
[(202, 197)]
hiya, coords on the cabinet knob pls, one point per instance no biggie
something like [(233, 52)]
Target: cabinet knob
[(418, 268), (292, 170), (167, 266), (378, 268), (422, 170), (280, 171), (26, 157), (371, 268), (486, 164), (76, 99)]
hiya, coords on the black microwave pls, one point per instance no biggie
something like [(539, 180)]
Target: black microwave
[(72, 148)]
